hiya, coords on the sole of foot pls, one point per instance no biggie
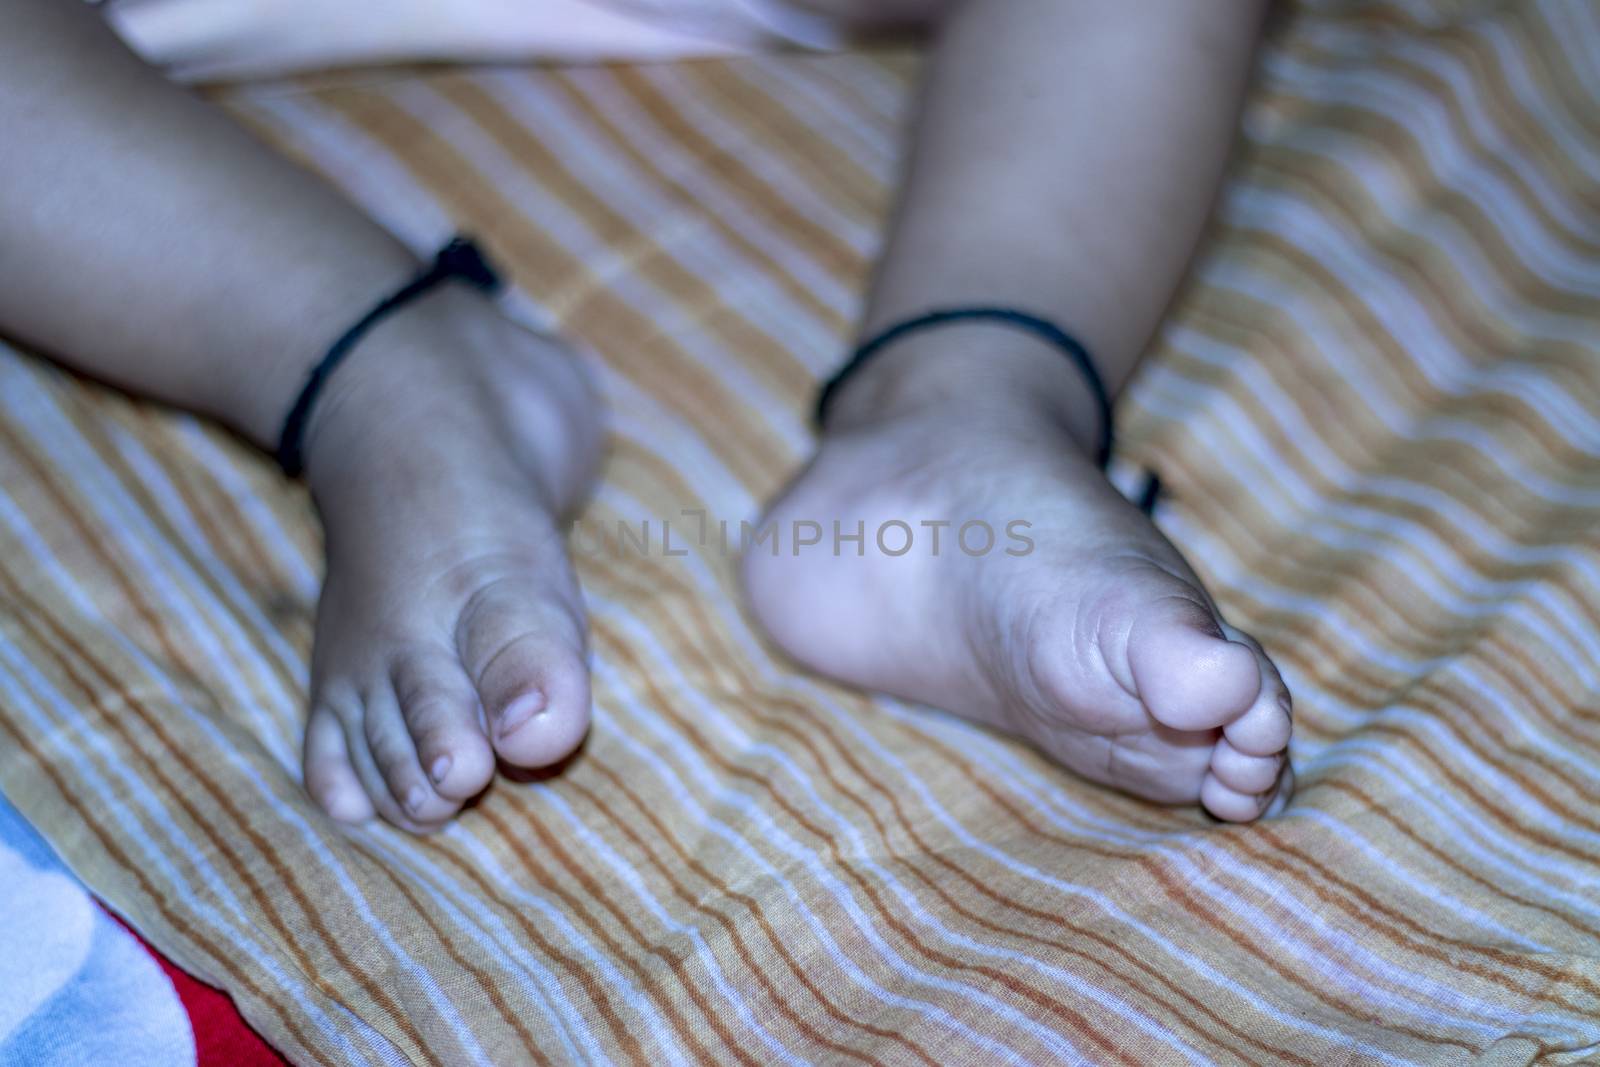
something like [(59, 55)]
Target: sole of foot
[(1078, 627)]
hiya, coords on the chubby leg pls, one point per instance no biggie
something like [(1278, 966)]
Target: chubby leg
[(152, 243), (1066, 158)]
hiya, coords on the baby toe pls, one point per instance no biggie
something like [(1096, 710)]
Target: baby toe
[(329, 776), (1265, 728), (531, 679), (1229, 804), (539, 692), (394, 756), (371, 776), (1189, 676), (1244, 773), (442, 716)]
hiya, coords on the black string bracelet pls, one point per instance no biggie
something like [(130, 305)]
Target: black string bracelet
[(458, 259), (1021, 320)]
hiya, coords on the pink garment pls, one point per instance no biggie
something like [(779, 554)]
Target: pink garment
[(202, 40)]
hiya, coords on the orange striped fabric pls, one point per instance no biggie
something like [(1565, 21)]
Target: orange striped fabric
[(1378, 411)]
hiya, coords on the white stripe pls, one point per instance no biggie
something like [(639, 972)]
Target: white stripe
[(1006, 770), (1354, 527), (356, 163), (238, 609), (628, 875), (288, 814), (1554, 122), (1575, 29), (775, 169), (884, 757), (613, 267), (160, 588), (1287, 410), (1272, 597), (1393, 94), (69, 724), (274, 539), (887, 95), (1280, 938), (740, 740), (1503, 601), (887, 758), (480, 921), (1012, 773), (705, 187), (1463, 829), (616, 982), (771, 834), (34, 410), (1370, 275), (819, 107), (701, 251), (1424, 217)]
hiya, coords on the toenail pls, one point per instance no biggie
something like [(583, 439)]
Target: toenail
[(440, 768), (415, 798), (520, 711)]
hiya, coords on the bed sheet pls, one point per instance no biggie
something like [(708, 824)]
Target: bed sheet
[(1377, 412)]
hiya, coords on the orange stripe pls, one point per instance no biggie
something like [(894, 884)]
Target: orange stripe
[(1077, 1023), (575, 909), (593, 985), (737, 332), (777, 722), (156, 726), (833, 256), (148, 891), (725, 891), (632, 343)]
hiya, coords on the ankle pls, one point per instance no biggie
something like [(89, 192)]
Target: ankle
[(452, 381), (972, 373)]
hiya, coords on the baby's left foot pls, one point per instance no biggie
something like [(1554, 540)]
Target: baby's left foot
[(1097, 643), (450, 632)]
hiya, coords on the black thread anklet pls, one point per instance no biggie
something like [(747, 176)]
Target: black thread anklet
[(1020, 320), (1151, 490), (458, 259)]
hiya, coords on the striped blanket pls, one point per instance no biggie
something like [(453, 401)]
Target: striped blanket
[(1378, 411)]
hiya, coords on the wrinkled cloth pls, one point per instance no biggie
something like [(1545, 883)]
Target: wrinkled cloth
[(1377, 411)]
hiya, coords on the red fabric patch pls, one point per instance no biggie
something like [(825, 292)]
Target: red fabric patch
[(221, 1036)]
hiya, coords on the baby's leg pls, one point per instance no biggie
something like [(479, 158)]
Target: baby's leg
[(1067, 157), (152, 243)]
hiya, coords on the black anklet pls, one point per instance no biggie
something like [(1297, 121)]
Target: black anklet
[(458, 259), (1021, 320)]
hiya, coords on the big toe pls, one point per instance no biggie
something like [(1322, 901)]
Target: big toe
[(532, 679), (1187, 674)]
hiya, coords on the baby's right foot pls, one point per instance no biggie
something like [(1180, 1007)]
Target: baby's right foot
[(450, 630), (1094, 640)]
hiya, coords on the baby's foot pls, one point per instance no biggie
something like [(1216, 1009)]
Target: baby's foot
[(1098, 644), (450, 629)]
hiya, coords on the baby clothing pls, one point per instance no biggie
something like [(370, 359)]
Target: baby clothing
[(201, 40)]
